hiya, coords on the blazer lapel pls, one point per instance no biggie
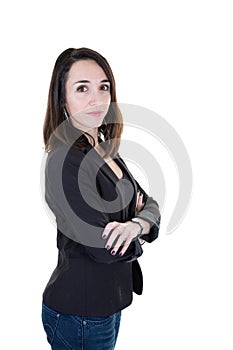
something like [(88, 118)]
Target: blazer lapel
[(108, 172), (101, 164), (121, 163)]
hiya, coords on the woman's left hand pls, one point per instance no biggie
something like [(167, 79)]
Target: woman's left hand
[(139, 204), (124, 231)]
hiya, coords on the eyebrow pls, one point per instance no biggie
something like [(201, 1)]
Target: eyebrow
[(88, 82)]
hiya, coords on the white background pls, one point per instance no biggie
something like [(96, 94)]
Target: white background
[(174, 57)]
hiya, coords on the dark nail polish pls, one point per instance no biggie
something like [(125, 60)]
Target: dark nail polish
[(108, 247), (120, 254), (104, 236), (113, 252)]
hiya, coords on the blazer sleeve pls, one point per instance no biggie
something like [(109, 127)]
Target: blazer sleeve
[(76, 218), (150, 213)]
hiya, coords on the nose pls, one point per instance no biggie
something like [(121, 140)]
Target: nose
[(95, 98)]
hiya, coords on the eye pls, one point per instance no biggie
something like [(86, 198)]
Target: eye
[(105, 87), (82, 88)]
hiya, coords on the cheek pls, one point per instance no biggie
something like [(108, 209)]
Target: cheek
[(75, 104), (107, 99)]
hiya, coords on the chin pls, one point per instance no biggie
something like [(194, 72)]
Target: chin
[(93, 126)]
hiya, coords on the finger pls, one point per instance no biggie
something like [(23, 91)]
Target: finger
[(141, 241), (111, 225), (141, 198), (117, 245), (116, 232), (138, 203), (142, 203), (125, 247)]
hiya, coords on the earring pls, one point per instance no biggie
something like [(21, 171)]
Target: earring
[(66, 115), (107, 131)]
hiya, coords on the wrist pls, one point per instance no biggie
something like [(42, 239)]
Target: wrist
[(137, 222), (146, 225)]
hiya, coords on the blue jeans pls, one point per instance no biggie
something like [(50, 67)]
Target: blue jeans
[(80, 333)]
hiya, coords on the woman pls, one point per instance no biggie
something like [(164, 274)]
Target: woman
[(103, 215)]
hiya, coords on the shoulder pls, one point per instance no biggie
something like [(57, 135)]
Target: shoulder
[(65, 154)]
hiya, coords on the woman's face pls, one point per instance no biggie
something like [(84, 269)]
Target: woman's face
[(87, 94)]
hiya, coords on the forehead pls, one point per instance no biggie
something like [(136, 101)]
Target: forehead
[(86, 70)]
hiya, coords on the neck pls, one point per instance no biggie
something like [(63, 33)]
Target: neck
[(94, 133)]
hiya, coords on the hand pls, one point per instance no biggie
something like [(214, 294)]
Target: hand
[(139, 204), (122, 233), (139, 207)]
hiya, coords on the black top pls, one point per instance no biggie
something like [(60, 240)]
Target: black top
[(85, 194)]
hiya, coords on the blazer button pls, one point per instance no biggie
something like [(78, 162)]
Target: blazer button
[(84, 323)]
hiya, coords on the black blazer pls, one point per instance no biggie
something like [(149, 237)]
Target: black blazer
[(85, 194)]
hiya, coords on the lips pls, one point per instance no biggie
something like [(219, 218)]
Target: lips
[(95, 113)]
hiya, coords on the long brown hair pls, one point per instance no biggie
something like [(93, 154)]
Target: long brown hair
[(56, 103)]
